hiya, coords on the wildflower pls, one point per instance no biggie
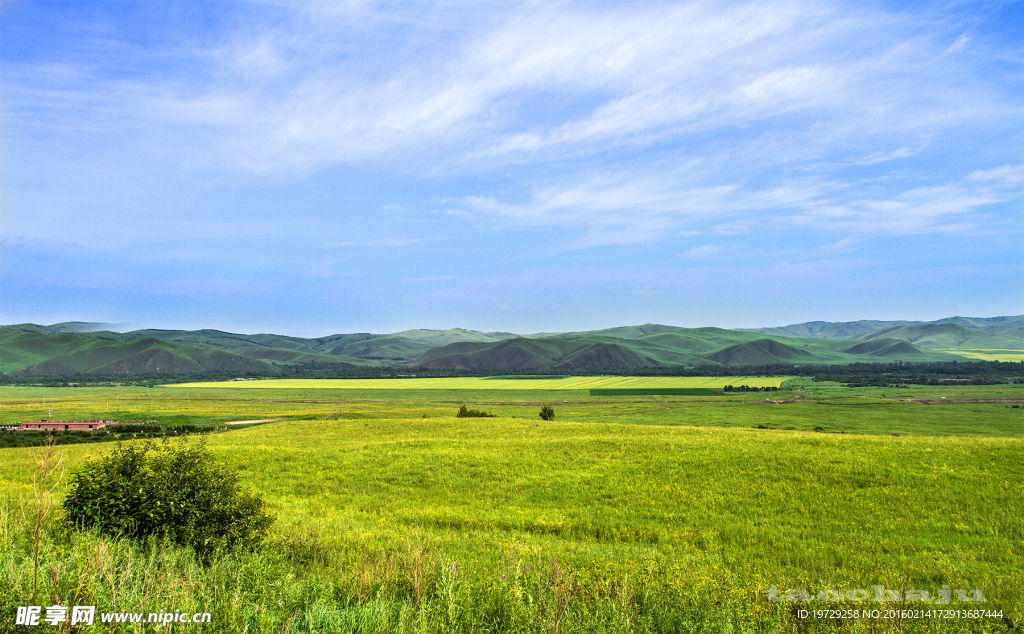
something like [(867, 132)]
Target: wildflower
[(453, 567)]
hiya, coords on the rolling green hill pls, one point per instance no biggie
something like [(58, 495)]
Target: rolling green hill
[(65, 327), (667, 347), (77, 347), (760, 352), (946, 335), (830, 330), (621, 332), (105, 356), (434, 338), (884, 347), (538, 354), (1011, 326), (22, 348)]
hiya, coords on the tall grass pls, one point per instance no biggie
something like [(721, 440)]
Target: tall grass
[(415, 589), (48, 461), (622, 515), (294, 585), (495, 525), (297, 584)]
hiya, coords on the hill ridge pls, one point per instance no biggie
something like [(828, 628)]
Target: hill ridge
[(33, 349)]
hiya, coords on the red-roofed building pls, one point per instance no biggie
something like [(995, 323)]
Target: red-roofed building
[(64, 426)]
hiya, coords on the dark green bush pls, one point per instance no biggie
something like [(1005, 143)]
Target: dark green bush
[(547, 412), (465, 412), (173, 491)]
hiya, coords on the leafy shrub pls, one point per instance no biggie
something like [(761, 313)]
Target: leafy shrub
[(177, 491), (465, 412), (547, 412)]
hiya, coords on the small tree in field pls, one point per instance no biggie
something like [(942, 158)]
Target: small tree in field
[(465, 412), (175, 491), (547, 412)]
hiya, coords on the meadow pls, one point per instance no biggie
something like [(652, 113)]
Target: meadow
[(498, 383), (988, 354), (624, 514)]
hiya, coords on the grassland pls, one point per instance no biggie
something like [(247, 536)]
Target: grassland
[(625, 514), (824, 406), (497, 383), (655, 391), (989, 354)]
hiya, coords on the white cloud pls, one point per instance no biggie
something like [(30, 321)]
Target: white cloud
[(959, 44), (617, 210), (329, 86), (881, 157), (1008, 174), (953, 207), (702, 252), (843, 245), (623, 124)]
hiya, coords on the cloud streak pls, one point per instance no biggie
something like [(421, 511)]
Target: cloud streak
[(616, 210), (301, 95), (381, 146)]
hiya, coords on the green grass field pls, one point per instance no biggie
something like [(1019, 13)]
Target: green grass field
[(637, 513), (495, 383), (656, 391), (988, 354), (823, 406)]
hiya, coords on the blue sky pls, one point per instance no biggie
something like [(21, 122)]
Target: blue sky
[(324, 167)]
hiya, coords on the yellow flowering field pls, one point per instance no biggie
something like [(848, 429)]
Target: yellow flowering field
[(988, 354)]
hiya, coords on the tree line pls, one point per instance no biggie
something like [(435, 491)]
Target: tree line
[(855, 374)]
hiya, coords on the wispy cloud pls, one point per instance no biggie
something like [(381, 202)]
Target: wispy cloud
[(321, 138), (880, 157), (946, 208), (621, 211), (702, 252), (959, 45), (378, 243), (288, 97), (435, 278)]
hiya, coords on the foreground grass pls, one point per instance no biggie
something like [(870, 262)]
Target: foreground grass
[(516, 525)]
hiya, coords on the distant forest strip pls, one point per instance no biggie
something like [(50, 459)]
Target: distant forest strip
[(856, 374), (25, 438)]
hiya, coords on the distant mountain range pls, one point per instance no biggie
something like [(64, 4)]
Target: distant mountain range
[(1011, 326), (84, 348)]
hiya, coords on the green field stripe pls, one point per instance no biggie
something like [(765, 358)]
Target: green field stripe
[(491, 383), (656, 391)]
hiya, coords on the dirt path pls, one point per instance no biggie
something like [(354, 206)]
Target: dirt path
[(799, 398), (250, 422)]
